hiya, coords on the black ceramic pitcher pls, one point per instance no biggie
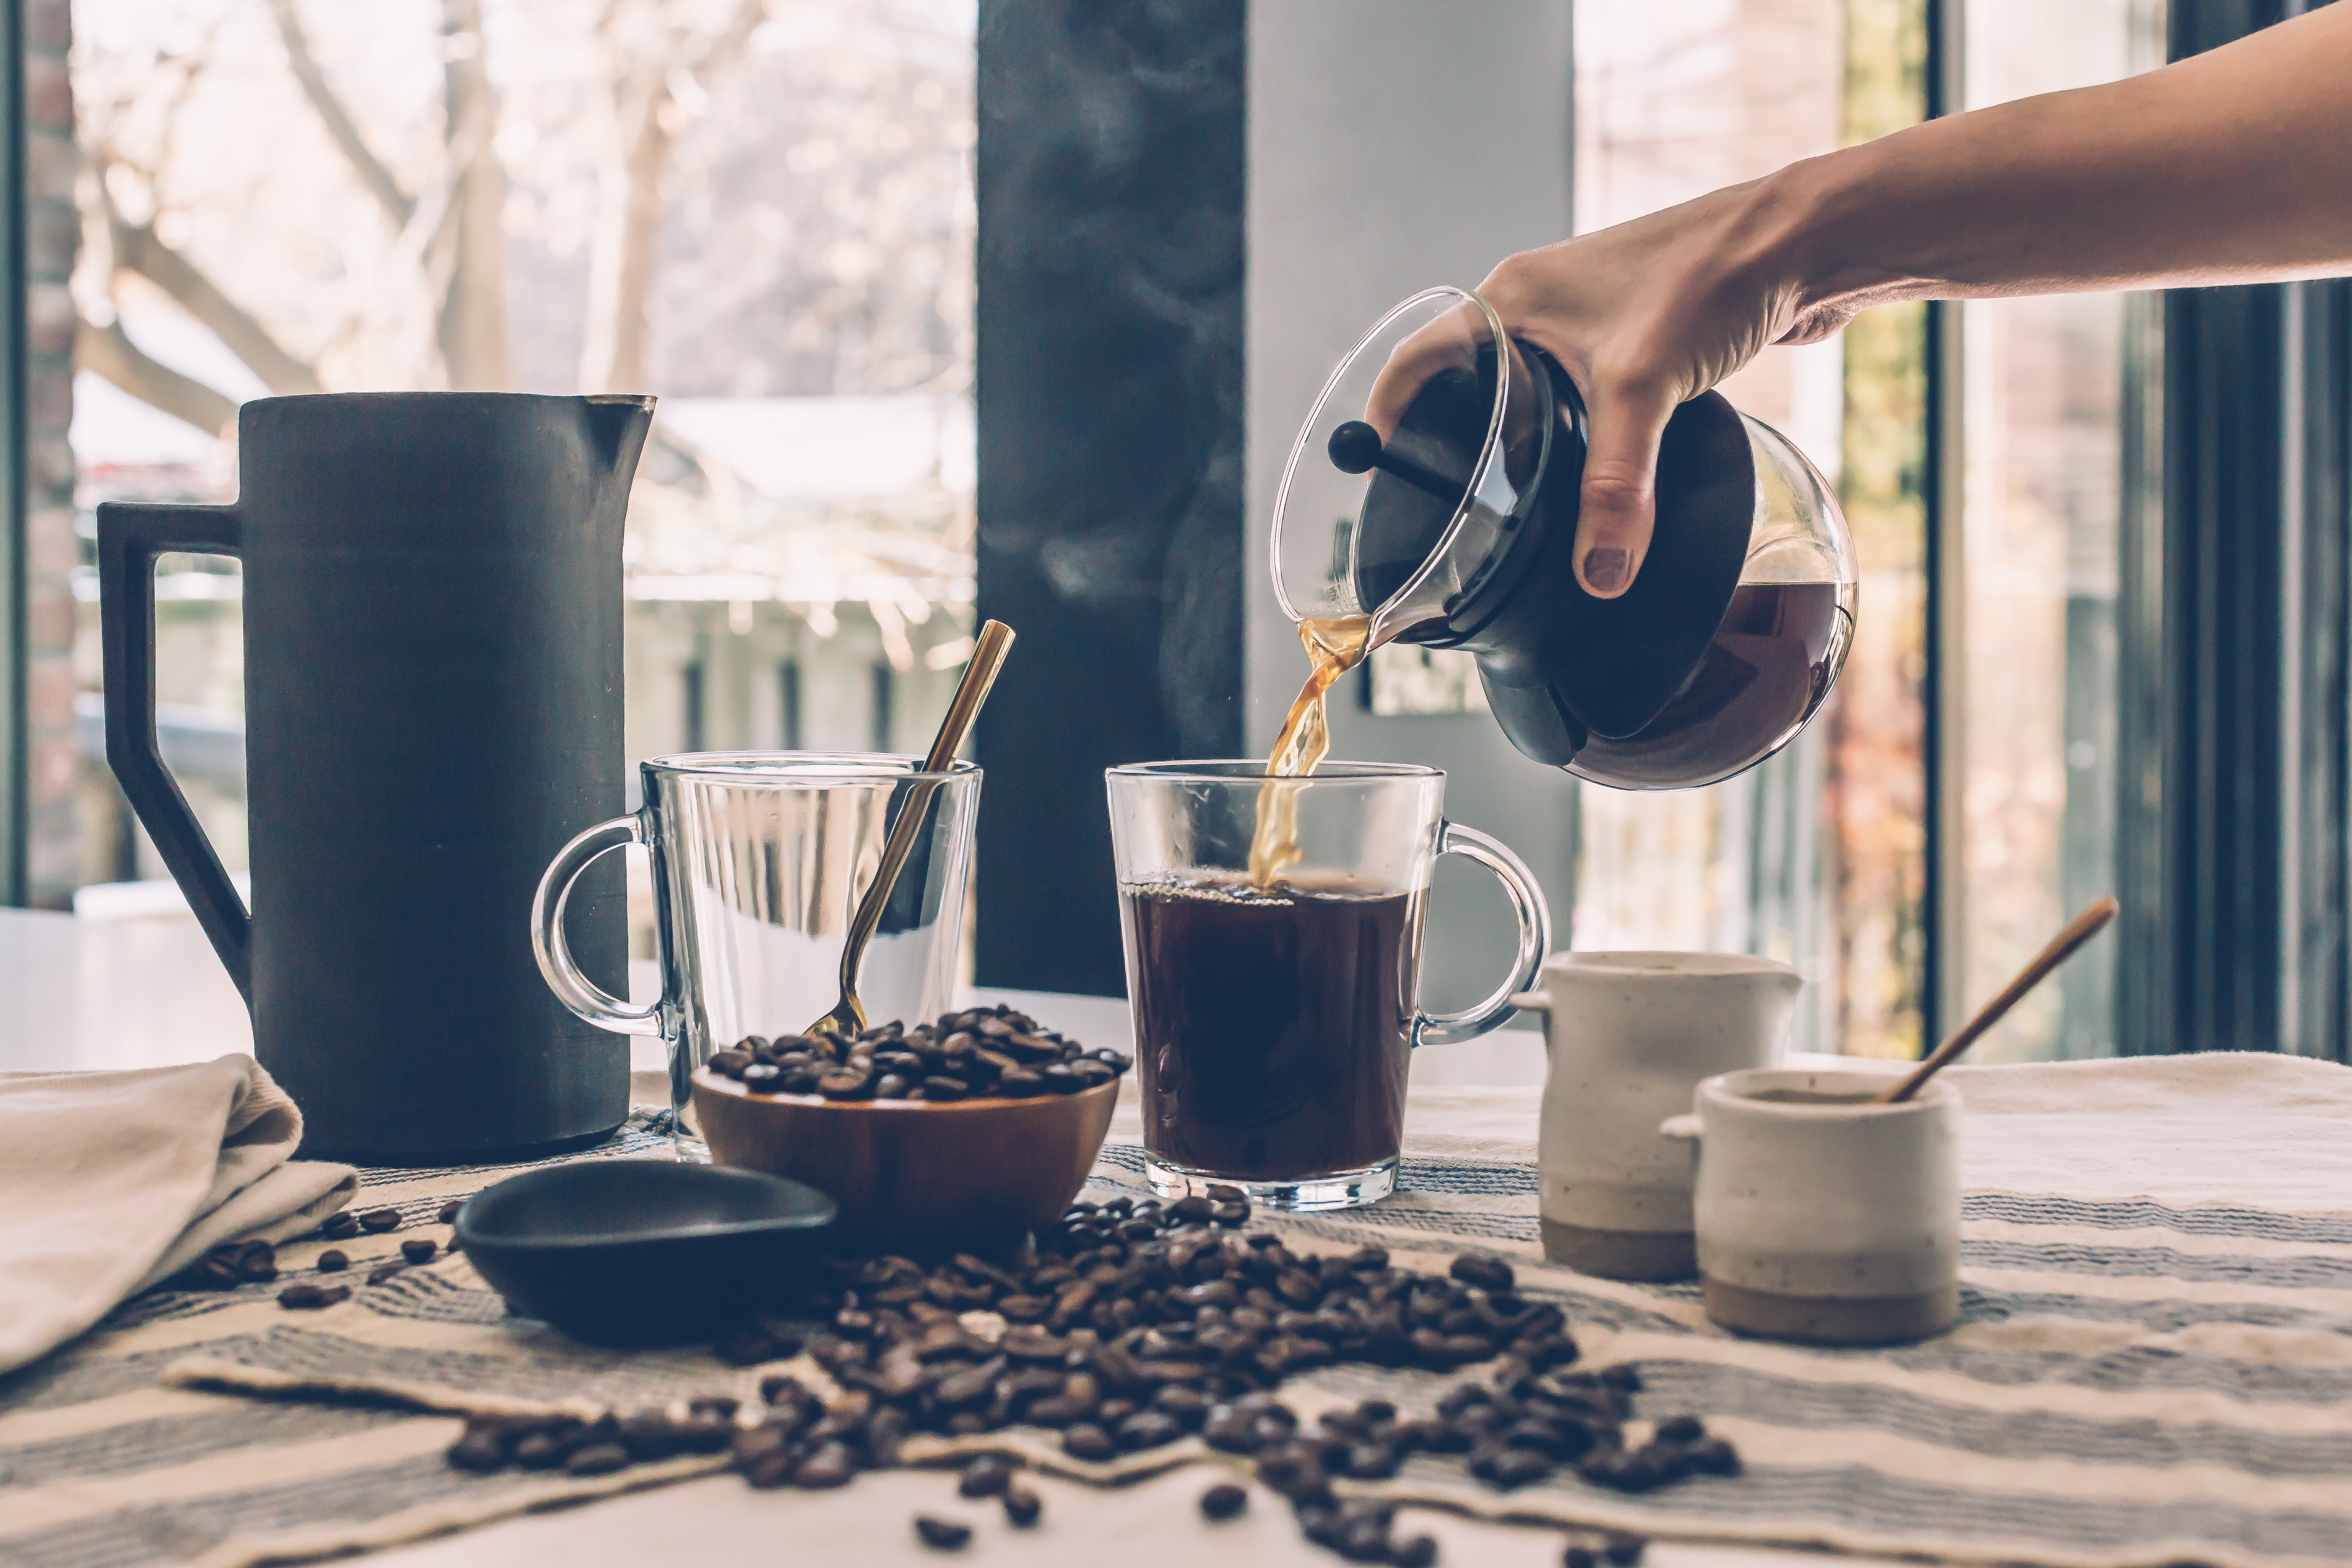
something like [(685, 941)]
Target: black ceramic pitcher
[(433, 708)]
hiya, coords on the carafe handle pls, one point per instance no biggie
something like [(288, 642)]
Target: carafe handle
[(572, 988), (1535, 940), (130, 535)]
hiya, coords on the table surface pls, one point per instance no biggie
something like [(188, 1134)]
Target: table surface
[(84, 994)]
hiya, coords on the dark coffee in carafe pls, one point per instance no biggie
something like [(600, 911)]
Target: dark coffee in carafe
[(1716, 656), (1272, 1028)]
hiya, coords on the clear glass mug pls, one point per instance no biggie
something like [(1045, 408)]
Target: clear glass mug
[(1274, 1028), (759, 860)]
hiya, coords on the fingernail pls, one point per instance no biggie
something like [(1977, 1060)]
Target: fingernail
[(1607, 570)]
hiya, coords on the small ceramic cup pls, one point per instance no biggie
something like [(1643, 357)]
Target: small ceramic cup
[(1628, 1037), (1821, 1216)]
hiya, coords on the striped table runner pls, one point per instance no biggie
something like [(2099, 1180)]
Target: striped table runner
[(2135, 1382)]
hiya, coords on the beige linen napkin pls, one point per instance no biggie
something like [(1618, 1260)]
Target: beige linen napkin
[(112, 1181)]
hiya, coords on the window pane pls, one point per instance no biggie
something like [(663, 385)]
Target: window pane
[(2042, 392), (759, 209), (1815, 856)]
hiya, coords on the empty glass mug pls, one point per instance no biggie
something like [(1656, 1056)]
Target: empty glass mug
[(1275, 1024), (759, 860)]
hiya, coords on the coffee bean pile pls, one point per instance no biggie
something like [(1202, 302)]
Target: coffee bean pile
[(981, 1052), (1132, 1323), (1520, 1430), (1515, 1432), (598, 1447)]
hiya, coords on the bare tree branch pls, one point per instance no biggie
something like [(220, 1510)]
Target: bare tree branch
[(339, 124), (136, 249), (109, 352), (471, 327), (729, 41), (623, 255)]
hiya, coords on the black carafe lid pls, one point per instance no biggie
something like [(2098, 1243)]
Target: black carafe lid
[(1612, 665)]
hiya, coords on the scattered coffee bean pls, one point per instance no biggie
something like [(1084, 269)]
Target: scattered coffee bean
[(1418, 1552), (1087, 1441), (480, 1452), (597, 1459), (1223, 1501), (255, 1261), (985, 1477), (419, 1249), (1484, 1270), (332, 1261), (377, 1221), (1680, 1429), (311, 1297), (942, 1534), (1713, 1456), (383, 1272), (449, 1214), (831, 1465), (1580, 1553), (1022, 1507), (1624, 1548), (341, 1226)]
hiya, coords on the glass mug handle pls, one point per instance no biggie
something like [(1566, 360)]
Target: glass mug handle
[(1535, 938), (572, 988)]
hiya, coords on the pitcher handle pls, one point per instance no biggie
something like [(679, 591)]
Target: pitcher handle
[(130, 535), (1535, 940), (548, 944)]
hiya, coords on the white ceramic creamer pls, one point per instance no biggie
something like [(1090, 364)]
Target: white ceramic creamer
[(1629, 1036), (1824, 1216)]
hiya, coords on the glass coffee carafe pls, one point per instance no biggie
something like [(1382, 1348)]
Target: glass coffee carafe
[(1433, 491)]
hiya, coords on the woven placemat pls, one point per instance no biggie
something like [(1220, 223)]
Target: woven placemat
[(2131, 1385)]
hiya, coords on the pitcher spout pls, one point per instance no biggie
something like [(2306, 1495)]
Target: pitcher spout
[(618, 422)]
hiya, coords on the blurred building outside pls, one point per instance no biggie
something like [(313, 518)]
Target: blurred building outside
[(759, 210)]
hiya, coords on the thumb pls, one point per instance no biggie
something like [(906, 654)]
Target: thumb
[(1621, 481)]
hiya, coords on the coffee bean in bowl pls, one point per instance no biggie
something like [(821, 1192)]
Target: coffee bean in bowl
[(968, 1130)]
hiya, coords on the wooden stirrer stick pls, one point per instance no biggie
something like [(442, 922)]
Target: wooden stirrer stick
[(2083, 928)]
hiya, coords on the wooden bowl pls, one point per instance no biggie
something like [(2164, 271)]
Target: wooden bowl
[(915, 1175)]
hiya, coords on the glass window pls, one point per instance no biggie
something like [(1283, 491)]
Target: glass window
[(2042, 397), (1811, 857), (1818, 856), (761, 210)]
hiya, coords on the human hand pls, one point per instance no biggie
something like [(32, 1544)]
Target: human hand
[(1643, 317)]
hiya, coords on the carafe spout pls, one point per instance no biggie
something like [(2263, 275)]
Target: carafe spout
[(618, 423)]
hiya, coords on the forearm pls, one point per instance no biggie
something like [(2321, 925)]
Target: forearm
[(2233, 167)]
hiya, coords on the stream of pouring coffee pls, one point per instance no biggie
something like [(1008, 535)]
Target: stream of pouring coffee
[(1335, 645)]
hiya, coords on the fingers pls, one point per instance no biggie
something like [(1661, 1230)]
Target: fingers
[(1620, 483), (1452, 339)]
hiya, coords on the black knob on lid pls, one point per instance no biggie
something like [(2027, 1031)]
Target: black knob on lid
[(1355, 446)]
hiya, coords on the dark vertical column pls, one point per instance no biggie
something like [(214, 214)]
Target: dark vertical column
[(1942, 743), (2316, 833), (2144, 1006), (788, 694), (2223, 566), (13, 540), (2239, 862), (1112, 162), (39, 828)]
